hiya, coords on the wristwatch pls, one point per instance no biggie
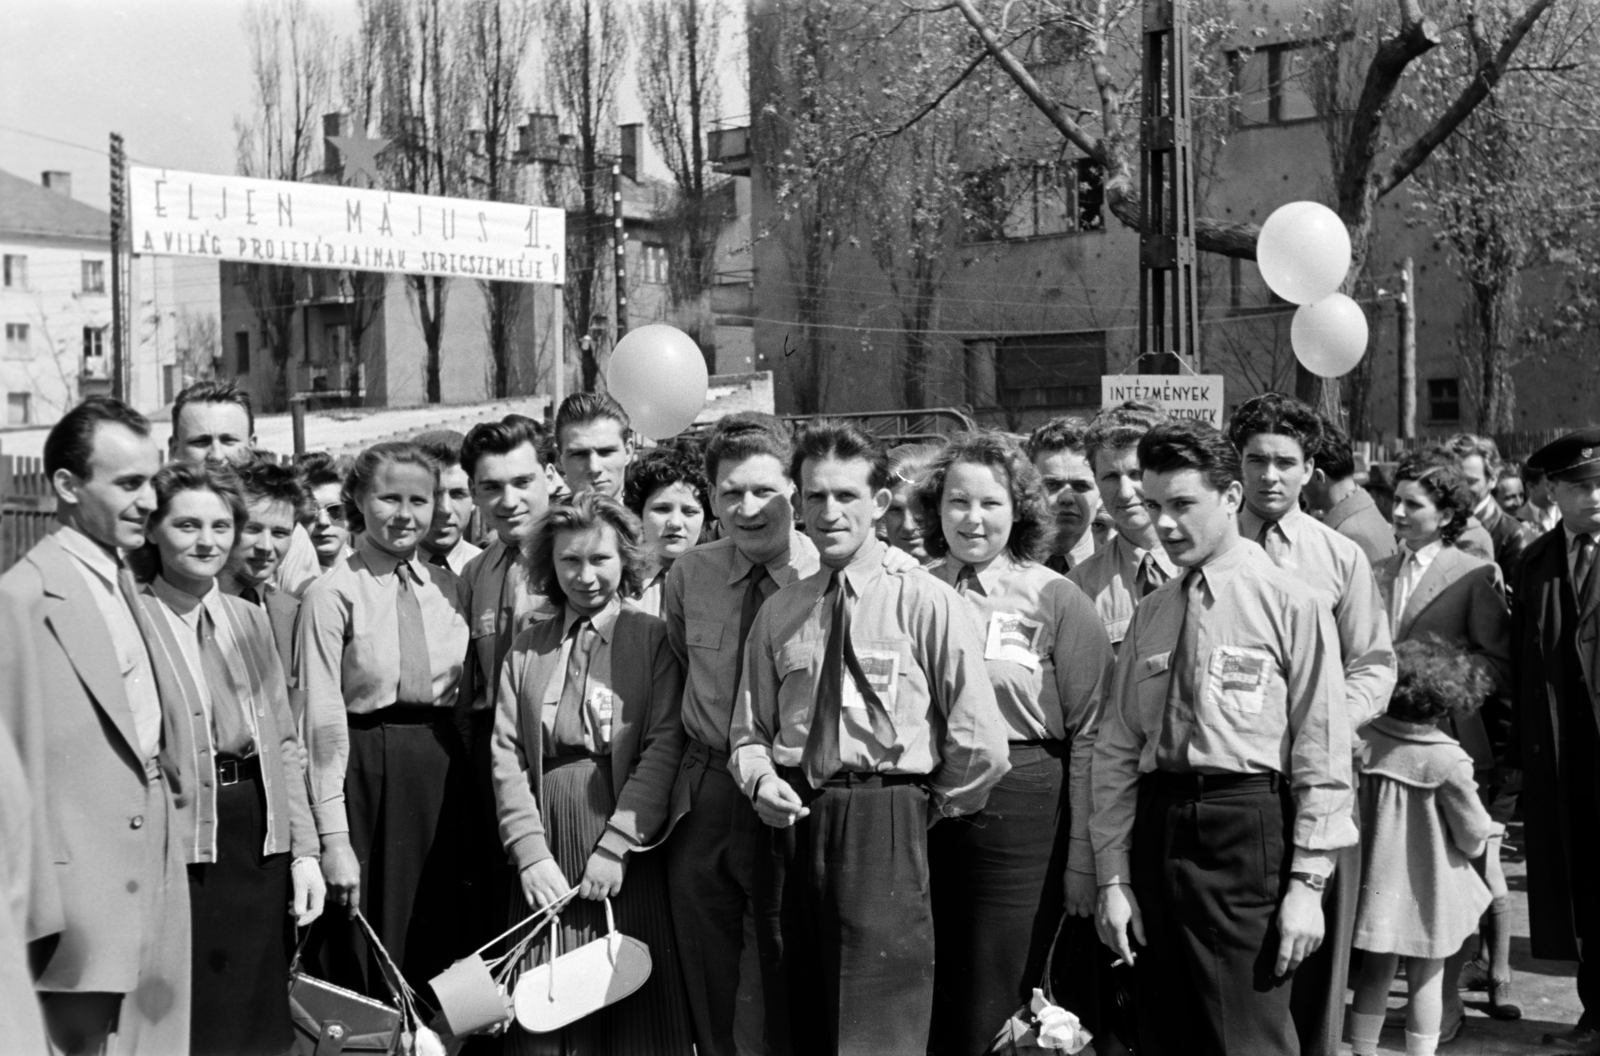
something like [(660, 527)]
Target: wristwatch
[(1312, 880)]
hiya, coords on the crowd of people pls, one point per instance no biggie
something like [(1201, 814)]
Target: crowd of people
[(1193, 730)]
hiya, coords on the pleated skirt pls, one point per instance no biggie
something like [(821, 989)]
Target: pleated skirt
[(654, 1020)]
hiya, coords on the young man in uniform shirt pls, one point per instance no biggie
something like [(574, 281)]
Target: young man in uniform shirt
[(214, 422), (865, 698), (1057, 451), (1332, 493), (1222, 771), (1275, 435), (711, 598), (594, 443), (446, 543), (1118, 575)]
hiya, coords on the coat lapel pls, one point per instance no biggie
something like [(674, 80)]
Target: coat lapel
[(74, 619), (1446, 568)]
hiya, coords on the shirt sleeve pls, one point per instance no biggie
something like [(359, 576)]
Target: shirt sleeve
[(1365, 644), (1083, 675), (645, 804), (1118, 744), (754, 726), (522, 829), (324, 625), (672, 611), (1320, 728), (973, 755)]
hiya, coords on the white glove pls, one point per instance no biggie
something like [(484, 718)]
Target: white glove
[(309, 891)]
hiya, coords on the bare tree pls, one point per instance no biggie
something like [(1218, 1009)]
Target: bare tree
[(360, 89), (291, 72), (585, 44), (679, 45)]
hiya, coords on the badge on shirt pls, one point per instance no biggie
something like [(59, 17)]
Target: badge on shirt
[(1238, 676), (883, 676), (602, 704), (483, 623), (1015, 638)]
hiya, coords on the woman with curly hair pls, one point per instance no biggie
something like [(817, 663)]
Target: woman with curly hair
[(1436, 591), (667, 490), (587, 740), (1003, 876), (1421, 826)]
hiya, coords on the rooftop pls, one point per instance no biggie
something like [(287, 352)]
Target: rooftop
[(29, 210)]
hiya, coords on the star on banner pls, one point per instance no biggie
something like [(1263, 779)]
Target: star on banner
[(360, 157)]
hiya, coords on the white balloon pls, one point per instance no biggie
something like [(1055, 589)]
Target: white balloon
[(1303, 252), (658, 374), (1329, 337)]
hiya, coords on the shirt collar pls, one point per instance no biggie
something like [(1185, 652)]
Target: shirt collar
[(988, 579), (1220, 568), (865, 567), (1133, 555), (604, 621), (102, 562), (741, 565), (1290, 524), (380, 562), (1425, 556), (1572, 537), (186, 605)]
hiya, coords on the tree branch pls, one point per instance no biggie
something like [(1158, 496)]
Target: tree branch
[(1415, 38), (879, 135), (1489, 74)]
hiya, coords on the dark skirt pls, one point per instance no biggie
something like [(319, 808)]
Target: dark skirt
[(654, 1020), (408, 797), (997, 878), (239, 908)]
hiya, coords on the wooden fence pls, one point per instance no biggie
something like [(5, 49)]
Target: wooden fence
[(27, 506)]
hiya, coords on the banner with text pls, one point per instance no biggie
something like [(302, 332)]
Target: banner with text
[(1180, 395), (319, 225)]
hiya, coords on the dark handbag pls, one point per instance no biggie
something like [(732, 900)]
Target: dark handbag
[(329, 1019)]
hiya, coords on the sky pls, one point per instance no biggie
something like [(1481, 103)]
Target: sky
[(170, 75)]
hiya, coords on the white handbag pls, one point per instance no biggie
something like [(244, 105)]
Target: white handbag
[(582, 981)]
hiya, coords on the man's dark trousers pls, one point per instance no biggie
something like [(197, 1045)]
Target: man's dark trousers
[(1210, 864), (711, 860), (845, 920)]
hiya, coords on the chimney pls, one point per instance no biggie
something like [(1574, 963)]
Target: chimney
[(332, 161), (630, 150), (60, 182), (539, 138)]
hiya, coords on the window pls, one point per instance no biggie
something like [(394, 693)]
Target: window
[(17, 343), (16, 272), (1273, 84), (1026, 201), (1444, 400), (655, 263), (94, 276), (19, 408), (94, 342), (1050, 370), (241, 352)]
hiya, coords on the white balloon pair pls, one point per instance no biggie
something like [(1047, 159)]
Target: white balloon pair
[(1303, 252)]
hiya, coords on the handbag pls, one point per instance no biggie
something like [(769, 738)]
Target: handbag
[(473, 993), (329, 1019), (1041, 1026), (580, 982)]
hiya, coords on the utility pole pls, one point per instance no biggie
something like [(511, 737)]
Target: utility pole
[(1169, 320), (619, 243), (1408, 351), (119, 200)]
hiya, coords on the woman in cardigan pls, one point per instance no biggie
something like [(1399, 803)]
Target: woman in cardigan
[(1002, 877), (667, 491), (1434, 590), (250, 810), (383, 636), (586, 742)]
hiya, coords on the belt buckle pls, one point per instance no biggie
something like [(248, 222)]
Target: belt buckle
[(227, 771)]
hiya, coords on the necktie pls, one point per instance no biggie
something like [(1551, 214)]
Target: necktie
[(1058, 563), (439, 560), (1269, 540), (1583, 570), (820, 760), (1150, 575), (1178, 716), (251, 595), (965, 580), (230, 731), (568, 731), (416, 669), (754, 597)]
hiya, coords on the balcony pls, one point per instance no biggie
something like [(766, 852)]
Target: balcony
[(729, 149)]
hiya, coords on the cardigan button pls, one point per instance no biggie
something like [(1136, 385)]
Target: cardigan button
[(137, 822)]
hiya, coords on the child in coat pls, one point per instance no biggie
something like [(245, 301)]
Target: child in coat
[(1422, 825)]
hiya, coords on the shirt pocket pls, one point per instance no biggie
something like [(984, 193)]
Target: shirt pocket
[(703, 634), (1236, 679), (1150, 680), (893, 675)]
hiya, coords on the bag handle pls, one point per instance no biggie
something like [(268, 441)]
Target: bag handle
[(532, 918), (399, 989), (1050, 959), (301, 935)]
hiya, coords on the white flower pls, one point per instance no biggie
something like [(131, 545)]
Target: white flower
[(1058, 1028)]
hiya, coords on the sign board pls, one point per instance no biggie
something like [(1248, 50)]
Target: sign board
[(1180, 395), (319, 225)]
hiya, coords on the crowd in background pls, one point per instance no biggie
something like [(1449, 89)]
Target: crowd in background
[(1192, 729)]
